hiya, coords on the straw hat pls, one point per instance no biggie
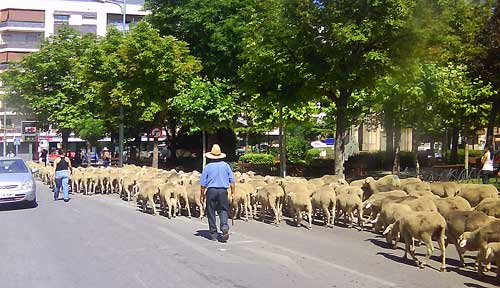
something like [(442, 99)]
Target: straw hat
[(215, 153)]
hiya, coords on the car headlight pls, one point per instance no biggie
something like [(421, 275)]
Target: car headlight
[(28, 185)]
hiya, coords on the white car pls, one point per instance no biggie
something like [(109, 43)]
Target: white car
[(17, 184)]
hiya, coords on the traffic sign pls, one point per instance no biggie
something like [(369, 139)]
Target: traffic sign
[(17, 141), (156, 132)]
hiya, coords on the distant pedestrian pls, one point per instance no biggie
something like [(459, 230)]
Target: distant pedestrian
[(62, 171), (106, 157), (43, 157), (215, 179), (11, 154), (487, 161)]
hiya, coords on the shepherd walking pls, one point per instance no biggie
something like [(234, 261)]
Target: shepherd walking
[(215, 179)]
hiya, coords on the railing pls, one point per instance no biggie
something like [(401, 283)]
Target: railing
[(22, 24), (20, 44)]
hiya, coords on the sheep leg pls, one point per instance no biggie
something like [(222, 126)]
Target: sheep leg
[(411, 249), (443, 250), (326, 216), (276, 214), (334, 208), (351, 217), (188, 207), (309, 214), (430, 249), (152, 203), (460, 253)]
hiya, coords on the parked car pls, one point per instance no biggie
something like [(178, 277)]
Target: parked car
[(17, 184)]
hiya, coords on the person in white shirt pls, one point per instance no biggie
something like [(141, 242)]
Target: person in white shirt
[(487, 161)]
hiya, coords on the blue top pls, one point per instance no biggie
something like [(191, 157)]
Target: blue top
[(217, 175)]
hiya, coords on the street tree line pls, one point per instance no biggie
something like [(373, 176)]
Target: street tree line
[(425, 64)]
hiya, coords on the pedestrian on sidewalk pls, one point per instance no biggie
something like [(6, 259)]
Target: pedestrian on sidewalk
[(487, 161), (215, 179), (106, 157), (62, 172)]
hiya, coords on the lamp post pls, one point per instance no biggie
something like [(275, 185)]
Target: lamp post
[(123, 8)]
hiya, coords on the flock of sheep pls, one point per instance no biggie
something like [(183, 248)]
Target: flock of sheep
[(410, 210)]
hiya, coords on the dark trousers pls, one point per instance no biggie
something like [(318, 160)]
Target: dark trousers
[(217, 201), (486, 176)]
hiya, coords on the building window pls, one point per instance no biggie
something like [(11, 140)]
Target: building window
[(61, 18)]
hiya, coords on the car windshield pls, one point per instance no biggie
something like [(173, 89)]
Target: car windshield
[(12, 166)]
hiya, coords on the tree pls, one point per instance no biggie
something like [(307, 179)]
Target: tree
[(347, 46), (45, 83), (487, 65), (139, 71), (273, 71), (214, 29), (91, 130), (206, 106)]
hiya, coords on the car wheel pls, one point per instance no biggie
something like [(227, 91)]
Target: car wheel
[(32, 204)]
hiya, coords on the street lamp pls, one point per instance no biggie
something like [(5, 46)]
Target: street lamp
[(123, 7)]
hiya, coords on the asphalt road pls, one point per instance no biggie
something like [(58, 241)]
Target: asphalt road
[(101, 241)]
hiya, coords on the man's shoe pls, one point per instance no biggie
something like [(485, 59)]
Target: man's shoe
[(66, 200), (225, 235)]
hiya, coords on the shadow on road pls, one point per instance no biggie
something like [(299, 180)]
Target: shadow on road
[(203, 233), (16, 206), (474, 275)]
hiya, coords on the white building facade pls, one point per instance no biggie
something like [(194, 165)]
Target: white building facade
[(24, 23)]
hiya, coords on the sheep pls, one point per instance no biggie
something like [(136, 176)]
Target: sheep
[(479, 238), (328, 179), (324, 198), (421, 193), (389, 213), (299, 200), (449, 204), (168, 199), (493, 255), (475, 193), (241, 197), (417, 186), (420, 226), (318, 182), (490, 207), (459, 222), (384, 184), (445, 189), (194, 196), (373, 204), (347, 204), (147, 194), (271, 196), (408, 181)]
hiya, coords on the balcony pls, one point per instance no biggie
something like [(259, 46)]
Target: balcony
[(20, 45), (21, 25)]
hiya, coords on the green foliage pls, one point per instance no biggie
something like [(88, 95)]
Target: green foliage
[(206, 105), (257, 159), (91, 129), (296, 148), (45, 82), (314, 153)]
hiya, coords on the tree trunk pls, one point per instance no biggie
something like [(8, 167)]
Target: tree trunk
[(466, 156), (454, 146), (491, 123), (65, 136), (204, 145), (341, 104), (281, 143), (89, 151), (246, 141), (155, 153), (396, 167), (173, 140), (113, 138), (389, 136)]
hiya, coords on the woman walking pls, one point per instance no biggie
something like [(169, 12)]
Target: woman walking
[(487, 161), (62, 171)]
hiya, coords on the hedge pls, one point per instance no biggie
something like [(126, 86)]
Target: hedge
[(257, 159)]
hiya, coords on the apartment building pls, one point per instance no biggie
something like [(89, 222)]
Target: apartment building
[(24, 23)]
